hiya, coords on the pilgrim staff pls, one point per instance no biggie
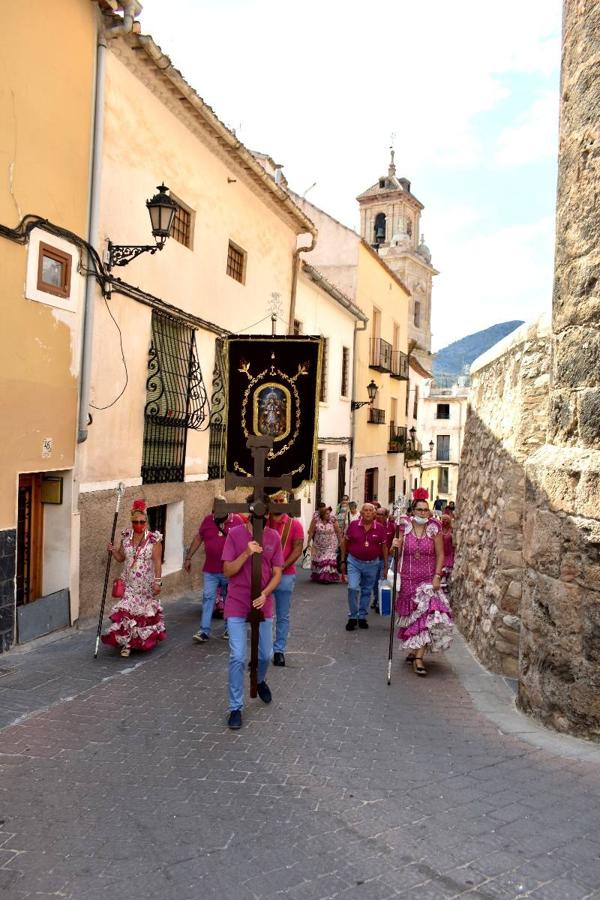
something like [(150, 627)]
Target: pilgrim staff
[(120, 492)]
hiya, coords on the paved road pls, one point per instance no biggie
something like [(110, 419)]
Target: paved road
[(126, 782)]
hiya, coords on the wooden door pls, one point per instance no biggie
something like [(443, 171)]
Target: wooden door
[(30, 539)]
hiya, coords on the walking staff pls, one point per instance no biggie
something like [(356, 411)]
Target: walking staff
[(120, 492), (396, 567)]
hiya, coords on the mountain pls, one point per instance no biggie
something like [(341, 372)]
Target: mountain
[(450, 361)]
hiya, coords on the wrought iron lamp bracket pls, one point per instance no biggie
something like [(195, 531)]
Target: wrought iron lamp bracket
[(356, 404), (123, 254)]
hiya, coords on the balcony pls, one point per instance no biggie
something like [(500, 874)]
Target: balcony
[(397, 439), (376, 416), (380, 357), (399, 367)]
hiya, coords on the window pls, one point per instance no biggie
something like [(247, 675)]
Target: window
[(443, 447), (54, 271), (417, 317), (392, 489), (175, 400), (409, 227), (320, 489), (376, 323), (181, 229), (407, 398), (236, 262), (393, 411), (443, 482), (324, 365), (371, 479), (345, 372), (442, 411), (297, 326), (416, 402)]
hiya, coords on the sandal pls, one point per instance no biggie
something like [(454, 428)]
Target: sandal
[(419, 668), (410, 658), (125, 651)]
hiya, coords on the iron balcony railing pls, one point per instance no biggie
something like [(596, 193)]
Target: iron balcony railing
[(397, 440), (380, 355), (376, 416), (399, 367)]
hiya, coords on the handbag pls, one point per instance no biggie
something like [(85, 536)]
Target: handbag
[(118, 588)]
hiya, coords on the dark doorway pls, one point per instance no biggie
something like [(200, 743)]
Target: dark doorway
[(371, 478), (30, 537), (341, 478)]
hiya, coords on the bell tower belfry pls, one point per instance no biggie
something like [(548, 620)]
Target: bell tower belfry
[(390, 222)]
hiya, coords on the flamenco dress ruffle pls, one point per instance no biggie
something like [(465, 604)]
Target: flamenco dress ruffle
[(429, 624)]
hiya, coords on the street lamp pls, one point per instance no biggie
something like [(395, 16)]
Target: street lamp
[(162, 209), (371, 391)]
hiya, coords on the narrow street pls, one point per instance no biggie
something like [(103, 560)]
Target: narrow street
[(129, 784)]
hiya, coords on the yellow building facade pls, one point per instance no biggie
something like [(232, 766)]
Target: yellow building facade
[(46, 109)]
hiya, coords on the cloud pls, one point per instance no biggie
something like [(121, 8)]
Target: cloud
[(533, 137)]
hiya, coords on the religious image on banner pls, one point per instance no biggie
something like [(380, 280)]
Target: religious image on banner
[(273, 387)]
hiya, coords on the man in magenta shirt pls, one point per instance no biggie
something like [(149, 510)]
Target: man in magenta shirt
[(291, 534), (213, 533), (363, 547), (237, 566)]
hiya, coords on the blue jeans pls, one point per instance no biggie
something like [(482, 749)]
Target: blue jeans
[(238, 631), (283, 601), (212, 581), (362, 577)]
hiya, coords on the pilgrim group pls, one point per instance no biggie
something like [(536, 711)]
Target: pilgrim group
[(358, 548)]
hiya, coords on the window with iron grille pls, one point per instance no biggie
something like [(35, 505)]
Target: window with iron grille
[(236, 262), (320, 486), (442, 411), (181, 229), (324, 366), (345, 371), (175, 399)]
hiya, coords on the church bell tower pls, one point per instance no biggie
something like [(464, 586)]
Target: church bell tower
[(390, 222)]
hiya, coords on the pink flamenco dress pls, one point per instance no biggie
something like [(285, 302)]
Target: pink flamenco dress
[(324, 554), (423, 615), (137, 618)]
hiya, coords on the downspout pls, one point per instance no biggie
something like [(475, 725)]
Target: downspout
[(295, 266), (93, 228), (353, 395)]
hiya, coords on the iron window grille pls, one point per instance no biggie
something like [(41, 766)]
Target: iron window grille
[(397, 439), (345, 371), (236, 262), (218, 427), (399, 366), (324, 366), (376, 416), (175, 400), (380, 357), (442, 411)]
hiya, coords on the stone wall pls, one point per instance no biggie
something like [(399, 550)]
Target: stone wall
[(507, 420), (8, 554)]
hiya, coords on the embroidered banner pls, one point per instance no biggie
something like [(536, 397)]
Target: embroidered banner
[(273, 389)]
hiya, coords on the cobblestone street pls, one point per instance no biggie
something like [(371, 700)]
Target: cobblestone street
[(120, 779)]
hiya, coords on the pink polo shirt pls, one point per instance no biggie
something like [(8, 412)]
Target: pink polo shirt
[(365, 545), (296, 533), (214, 540), (238, 600)]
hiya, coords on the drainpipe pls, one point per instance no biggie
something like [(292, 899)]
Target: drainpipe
[(295, 265), (131, 9), (93, 228), (357, 328)]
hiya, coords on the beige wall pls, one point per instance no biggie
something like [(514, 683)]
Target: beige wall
[(45, 109)]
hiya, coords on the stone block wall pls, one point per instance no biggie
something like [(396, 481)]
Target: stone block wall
[(506, 422)]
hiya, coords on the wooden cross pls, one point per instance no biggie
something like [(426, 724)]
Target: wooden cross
[(258, 511)]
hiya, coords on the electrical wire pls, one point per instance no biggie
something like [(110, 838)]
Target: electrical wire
[(118, 397)]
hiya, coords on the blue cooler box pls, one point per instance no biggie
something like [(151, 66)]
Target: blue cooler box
[(384, 598)]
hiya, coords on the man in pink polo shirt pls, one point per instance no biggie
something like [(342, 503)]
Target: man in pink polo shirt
[(237, 566), (213, 533), (363, 547), (291, 535)]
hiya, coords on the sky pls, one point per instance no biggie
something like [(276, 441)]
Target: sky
[(467, 91)]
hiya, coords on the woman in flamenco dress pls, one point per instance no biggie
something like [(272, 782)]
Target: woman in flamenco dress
[(422, 609), (137, 617)]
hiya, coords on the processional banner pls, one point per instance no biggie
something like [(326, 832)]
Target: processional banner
[(273, 389)]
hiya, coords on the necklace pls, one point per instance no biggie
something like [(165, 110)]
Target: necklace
[(419, 538)]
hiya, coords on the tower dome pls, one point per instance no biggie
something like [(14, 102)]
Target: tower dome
[(423, 250)]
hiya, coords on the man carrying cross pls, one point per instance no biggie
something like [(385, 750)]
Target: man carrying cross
[(253, 561), (237, 566)]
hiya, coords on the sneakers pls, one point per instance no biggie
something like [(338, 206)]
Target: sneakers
[(362, 623), (278, 659), (351, 624), (201, 637), (225, 635), (264, 692), (235, 719)]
